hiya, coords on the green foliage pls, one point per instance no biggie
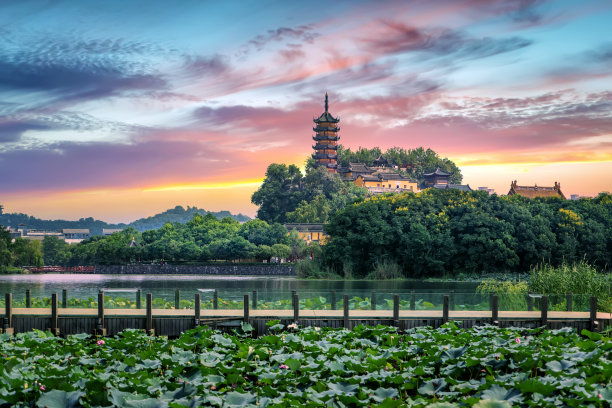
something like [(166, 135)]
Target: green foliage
[(385, 269), (311, 367), (415, 161), (578, 279), (288, 196), (449, 232), (309, 269), (511, 295)]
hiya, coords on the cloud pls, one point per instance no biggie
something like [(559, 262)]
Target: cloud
[(11, 131), (396, 38), (302, 33), (202, 65)]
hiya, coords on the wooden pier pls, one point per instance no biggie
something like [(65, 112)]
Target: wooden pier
[(172, 322)]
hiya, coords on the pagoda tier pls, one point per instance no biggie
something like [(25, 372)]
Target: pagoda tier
[(325, 146), (325, 156), (324, 137), (327, 131)]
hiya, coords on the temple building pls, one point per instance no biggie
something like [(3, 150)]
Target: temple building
[(379, 179), (326, 139), (438, 177), (536, 191)]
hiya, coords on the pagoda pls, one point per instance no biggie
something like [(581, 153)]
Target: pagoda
[(326, 147)]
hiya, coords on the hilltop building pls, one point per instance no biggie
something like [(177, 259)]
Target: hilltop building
[(536, 191), (438, 177), (326, 140), (75, 235), (309, 232), (379, 179)]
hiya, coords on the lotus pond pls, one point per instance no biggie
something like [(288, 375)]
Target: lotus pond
[(369, 366)]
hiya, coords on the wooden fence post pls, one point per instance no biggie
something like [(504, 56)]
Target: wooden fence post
[(64, 298), (569, 301), (216, 299), (139, 299), (296, 308), (544, 310), (149, 322), (28, 299), (345, 321), (7, 325), (246, 308), (100, 329), (54, 325), (495, 310), (396, 310), (177, 299), (452, 300), (445, 307), (373, 300), (412, 300), (254, 300), (333, 300), (593, 323), (197, 305), (293, 292)]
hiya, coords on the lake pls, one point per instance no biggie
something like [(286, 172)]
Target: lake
[(229, 287)]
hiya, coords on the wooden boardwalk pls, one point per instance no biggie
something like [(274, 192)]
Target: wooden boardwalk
[(172, 322)]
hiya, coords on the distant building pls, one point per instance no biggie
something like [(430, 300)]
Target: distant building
[(437, 177), (536, 191), (75, 235), (309, 232), (36, 235), (487, 189), (326, 140), (110, 231)]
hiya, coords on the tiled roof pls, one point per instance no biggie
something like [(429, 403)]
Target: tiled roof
[(305, 227), (536, 191), (75, 231), (438, 172)]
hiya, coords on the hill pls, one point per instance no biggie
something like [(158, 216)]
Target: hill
[(180, 215), (176, 214)]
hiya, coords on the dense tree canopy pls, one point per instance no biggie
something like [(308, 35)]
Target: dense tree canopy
[(203, 238), (450, 231), (288, 196), (21, 252)]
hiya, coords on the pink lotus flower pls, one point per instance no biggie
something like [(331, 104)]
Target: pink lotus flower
[(100, 342), (283, 367), (42, 388), (518, 340)]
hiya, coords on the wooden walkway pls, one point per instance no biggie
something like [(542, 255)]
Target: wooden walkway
[(173, 322), (309, 314)]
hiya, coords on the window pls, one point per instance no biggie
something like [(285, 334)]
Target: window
[(404, 186), (389, 185), (378, 185)]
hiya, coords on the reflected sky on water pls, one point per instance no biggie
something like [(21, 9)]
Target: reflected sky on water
[(229, 287)]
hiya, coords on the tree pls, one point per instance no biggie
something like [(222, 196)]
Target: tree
[(280, 193), (316, 211), (27, 252), (56, 251)]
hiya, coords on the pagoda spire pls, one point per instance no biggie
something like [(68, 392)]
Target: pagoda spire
[(326, 103)]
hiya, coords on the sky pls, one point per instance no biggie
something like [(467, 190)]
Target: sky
[(119, 110)]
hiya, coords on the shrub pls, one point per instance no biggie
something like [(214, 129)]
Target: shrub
[(309, 269), (578, 279), (385, 269)]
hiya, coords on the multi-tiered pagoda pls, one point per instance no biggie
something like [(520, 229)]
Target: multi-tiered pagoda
[(326, 139)]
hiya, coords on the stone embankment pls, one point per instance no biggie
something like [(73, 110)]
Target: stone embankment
[(269, 269)]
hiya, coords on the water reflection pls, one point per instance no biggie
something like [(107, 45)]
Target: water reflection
[(229, 287)]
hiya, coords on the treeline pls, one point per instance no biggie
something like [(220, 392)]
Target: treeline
[(451, 232), (413, 162), (203, 238), (177, 214)]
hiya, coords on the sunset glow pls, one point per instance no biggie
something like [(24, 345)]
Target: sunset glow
[(121, 110)]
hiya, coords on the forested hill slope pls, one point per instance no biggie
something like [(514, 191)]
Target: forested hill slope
[(180, 215), (176, 214)]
